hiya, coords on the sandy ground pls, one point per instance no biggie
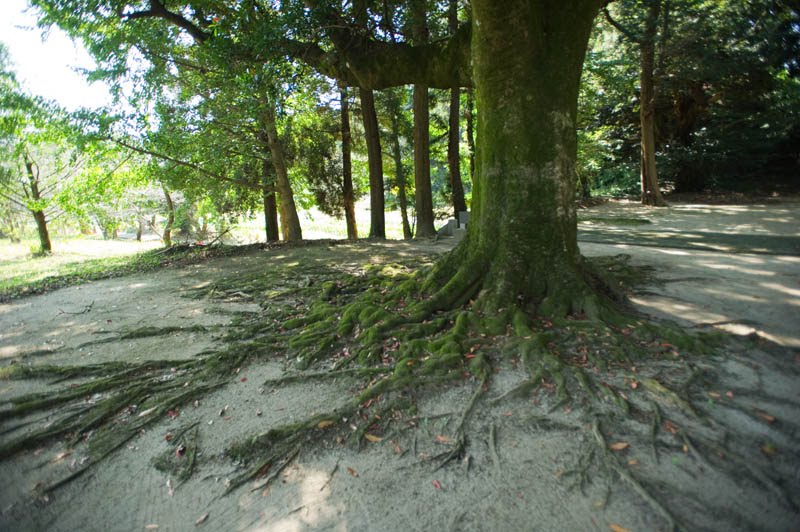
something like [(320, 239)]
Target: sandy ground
[(517, 472)]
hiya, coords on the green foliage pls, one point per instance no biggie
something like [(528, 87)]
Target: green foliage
[(726, 96)]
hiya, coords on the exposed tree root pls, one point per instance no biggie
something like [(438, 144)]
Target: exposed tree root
[(393, 332), (612, 462)]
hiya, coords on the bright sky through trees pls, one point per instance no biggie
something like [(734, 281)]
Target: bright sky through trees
[(47, 66)]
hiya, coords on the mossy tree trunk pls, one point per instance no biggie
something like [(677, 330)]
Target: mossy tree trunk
[(347, 167), (521, 247), (377, 228)]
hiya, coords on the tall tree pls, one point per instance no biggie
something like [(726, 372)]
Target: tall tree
[(377, 203), (454, 130), (524, 58), (37, 153), (347, 169), (646, 39), (422, 151)]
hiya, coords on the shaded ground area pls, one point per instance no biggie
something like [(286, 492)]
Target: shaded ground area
[(526, 466)]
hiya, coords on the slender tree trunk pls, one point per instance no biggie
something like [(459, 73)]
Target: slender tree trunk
[(471, 132), (453, 156), (347, 168), (651, 194), (422, 158), (422, 164), (521, 248), (270, 206), (167, 236), (45, 246), (400, 173), (377, 227), (139, 229), (454, 131), (290, 221)]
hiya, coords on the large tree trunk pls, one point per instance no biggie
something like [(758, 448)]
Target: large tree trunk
[(400, 173), (290, 222), (454, 131), (347, 168), (521, 245), (45, 246), (651, 195), (377, 227)]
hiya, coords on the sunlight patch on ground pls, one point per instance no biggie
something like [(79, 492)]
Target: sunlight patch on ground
[(309, 508)]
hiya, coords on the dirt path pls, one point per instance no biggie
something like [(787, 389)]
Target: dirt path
[(524, 466)]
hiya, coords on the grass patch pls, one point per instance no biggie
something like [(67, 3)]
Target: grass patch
[(29, 277)]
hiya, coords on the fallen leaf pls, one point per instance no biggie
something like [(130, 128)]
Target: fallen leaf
[(617, 528), (508, 414), (633, 462), (243, 379), (151, 527), (352, 472), (766, 417), (714, 395), (634, 385), (769, 449), (324, 424), (619, 446), (685, 449), (168, 436), (729, 394), (443, 439), (436, 484), (670, 427), (180, 451), (147, 412), (372, 438), (202, 519)]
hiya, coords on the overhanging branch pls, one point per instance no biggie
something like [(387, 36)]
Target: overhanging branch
[(197, 168)]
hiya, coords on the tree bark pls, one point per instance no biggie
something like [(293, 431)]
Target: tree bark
[(167, 235), (347, 168), (453, 155), (377, 228), (270, 206), (521, 246), (45, 246), (454, 131), (471, 132), (422, 157), (651, 194), (290, 221)]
